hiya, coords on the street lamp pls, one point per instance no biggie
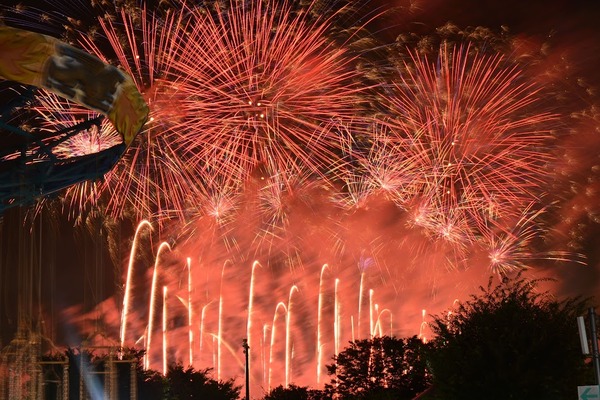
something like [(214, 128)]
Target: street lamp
[(247, 353)]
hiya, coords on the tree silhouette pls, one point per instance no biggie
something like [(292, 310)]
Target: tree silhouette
[(293, 392), (191, 384), (379, 368), (509, 342)]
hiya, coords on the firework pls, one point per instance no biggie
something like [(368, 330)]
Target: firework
[(151, 179), (261, 83), (56, 114), (230, 88), (515, 246), (470, 137)]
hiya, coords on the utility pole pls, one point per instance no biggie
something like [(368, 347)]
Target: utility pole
[(247, 353), (595, 353)]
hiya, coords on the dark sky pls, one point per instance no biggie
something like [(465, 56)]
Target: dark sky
[(572, 24)]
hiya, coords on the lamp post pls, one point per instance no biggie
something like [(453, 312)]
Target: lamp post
[(247, 353), (595, 353)]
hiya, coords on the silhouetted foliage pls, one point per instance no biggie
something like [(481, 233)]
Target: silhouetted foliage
[(151, 385), (191, 384), (509, 342), (293, 392), (379, 368)]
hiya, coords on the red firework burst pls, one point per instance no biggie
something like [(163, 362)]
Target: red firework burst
[(469, 135), (229, 89), (152, 179), (262, 84), (511, 247)]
